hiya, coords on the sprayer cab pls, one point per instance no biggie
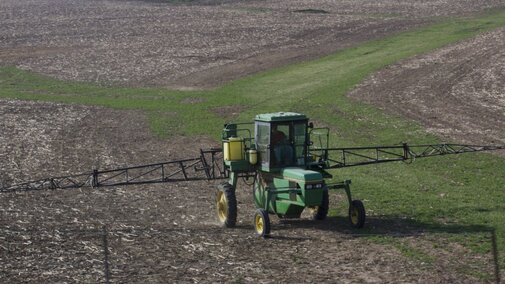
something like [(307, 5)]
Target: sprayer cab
[(281, 140)]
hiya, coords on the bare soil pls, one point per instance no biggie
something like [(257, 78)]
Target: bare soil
[(200, 44), (457, 92), (168, 232)]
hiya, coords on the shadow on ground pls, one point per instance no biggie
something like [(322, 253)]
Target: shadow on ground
[(381, 226)]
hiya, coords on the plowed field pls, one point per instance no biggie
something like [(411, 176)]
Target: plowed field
[(168, 233), (457, 92), (199, 45)]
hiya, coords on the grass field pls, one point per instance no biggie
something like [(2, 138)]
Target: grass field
[(456, 197)]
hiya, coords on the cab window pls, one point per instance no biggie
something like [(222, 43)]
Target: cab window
[(299, 142), (288, 142)]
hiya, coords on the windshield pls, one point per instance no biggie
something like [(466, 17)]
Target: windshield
[(288, 144)]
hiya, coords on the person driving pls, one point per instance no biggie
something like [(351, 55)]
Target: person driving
[(277, 135), (283, 151)]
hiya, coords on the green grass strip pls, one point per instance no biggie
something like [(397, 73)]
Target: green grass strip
[(316, 88)]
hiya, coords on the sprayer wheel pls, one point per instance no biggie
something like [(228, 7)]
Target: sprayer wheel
[(262, 223), (226, 205), (357, 214)]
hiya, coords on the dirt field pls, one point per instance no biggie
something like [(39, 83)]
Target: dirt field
[(457, 92), (169, 233), (199, 45)]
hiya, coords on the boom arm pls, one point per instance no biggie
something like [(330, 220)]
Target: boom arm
[(358, 156), (205, 167)]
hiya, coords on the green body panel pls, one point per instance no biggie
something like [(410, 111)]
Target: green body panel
[(313, 197), (284, 184), (281, 183), (301, 175), (238, 166), (286, 194), (288, 209)]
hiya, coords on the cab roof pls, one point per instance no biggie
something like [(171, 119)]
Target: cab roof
[(280, 116)]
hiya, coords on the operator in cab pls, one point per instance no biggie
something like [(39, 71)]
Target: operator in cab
[(283, 151)]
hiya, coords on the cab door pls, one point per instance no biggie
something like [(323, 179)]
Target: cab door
[(262, 139)]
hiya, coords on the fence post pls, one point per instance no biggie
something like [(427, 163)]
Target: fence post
[(495, 256), (106, 254)]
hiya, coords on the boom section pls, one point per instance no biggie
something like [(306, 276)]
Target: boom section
[(206, 167), (332, 158)]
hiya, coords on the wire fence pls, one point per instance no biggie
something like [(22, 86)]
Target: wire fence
[(100, 237)]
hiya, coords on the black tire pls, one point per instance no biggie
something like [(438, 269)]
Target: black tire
[(256, 189), (320, 212), (262, 223), (226, 205), (357, 214)]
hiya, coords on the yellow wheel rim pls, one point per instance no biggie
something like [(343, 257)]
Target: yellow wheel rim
[(313, 210), (354, 215), (222, 207), (258, 224)]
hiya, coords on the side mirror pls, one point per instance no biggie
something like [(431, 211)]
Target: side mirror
[(311, 125)]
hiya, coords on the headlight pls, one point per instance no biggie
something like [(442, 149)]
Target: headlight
[(314, 185)]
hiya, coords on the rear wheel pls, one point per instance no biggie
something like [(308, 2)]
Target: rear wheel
[(357, 214), (226, 205), (320, 212), (262, 223)]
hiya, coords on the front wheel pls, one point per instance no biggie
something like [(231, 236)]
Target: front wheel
[(262, 223), (357, 214), (226, 206)]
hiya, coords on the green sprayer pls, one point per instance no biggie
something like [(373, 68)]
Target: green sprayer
[(286, 161)]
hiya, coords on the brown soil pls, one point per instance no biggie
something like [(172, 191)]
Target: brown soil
[(203, 44), (457, 92), (168, 232)]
